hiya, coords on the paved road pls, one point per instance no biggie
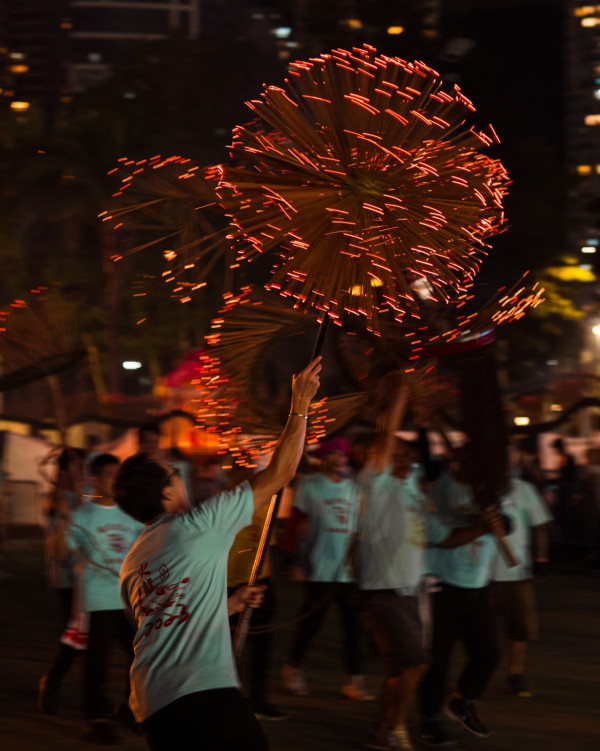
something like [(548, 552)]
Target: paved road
[(564, 666)]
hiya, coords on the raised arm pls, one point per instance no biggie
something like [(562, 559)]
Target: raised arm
[(383, 446), (288, 452)]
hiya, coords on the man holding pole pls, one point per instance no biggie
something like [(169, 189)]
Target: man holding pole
[(185, 689), (463, 543)]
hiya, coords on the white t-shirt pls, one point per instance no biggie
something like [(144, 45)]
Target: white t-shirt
[(527, 509), (331, 508), (103, 535), (174, 583), (391, 540)]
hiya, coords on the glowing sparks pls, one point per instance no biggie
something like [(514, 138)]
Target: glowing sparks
[(170, 204), (362, 153), (232, 401)]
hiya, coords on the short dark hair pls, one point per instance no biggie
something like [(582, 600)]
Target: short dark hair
[(149, 427), (138, 487), (67, 455), (99, 462)]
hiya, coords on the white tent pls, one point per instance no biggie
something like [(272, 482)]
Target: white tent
[(23, 487)]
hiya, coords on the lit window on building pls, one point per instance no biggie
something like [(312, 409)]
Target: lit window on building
[(586, 10), (592, 119), (588, 249), (590, 22), (584, 169)]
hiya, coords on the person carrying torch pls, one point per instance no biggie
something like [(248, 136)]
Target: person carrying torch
[(185, 689)]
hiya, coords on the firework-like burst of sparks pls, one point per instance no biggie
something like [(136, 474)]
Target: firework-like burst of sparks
[(364, 173), (172, 201), (230, 401), (37, 338), (506, 306)]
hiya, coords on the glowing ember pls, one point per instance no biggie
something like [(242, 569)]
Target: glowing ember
[(362, 168)]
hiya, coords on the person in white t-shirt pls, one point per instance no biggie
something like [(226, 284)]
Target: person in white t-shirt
[(326, 506), (390, 554), (512, 587), (185, 688)]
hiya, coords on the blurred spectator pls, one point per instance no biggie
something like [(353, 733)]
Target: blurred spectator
[(101, 534), (512, 587), (209, 480), (66, 496), (259, 640), (324, 515), (567, 479), (149, 444)]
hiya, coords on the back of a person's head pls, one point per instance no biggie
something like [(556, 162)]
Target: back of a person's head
[(149, 427), (99, 462), (138, 487), (68, 455)]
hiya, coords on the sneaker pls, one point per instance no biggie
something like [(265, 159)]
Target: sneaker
[(433, 735), (402, 739), (265, 711), (356, 689), (294, 680), (101, 733), (47, 699), (515, 686), (463, 711)]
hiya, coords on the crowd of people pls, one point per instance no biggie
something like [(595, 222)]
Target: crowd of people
[(396, 540)]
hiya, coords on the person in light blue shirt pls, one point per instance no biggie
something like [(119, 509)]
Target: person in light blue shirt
[(462, 549), (326, 506), (185, 688), (101, 534), (468, 566)]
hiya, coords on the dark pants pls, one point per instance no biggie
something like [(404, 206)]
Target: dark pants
[(463, 615), (258, 645), (65, 655), (105, 625), (395, 626), (317, 598), (216, 720)]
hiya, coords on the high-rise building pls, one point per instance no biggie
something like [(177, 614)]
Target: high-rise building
[(582, 128), (99, 28), (32, 41)]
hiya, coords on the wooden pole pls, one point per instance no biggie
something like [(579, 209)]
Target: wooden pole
[(243, 624)]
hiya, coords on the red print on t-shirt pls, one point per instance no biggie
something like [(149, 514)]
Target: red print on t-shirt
[(161, 604)]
